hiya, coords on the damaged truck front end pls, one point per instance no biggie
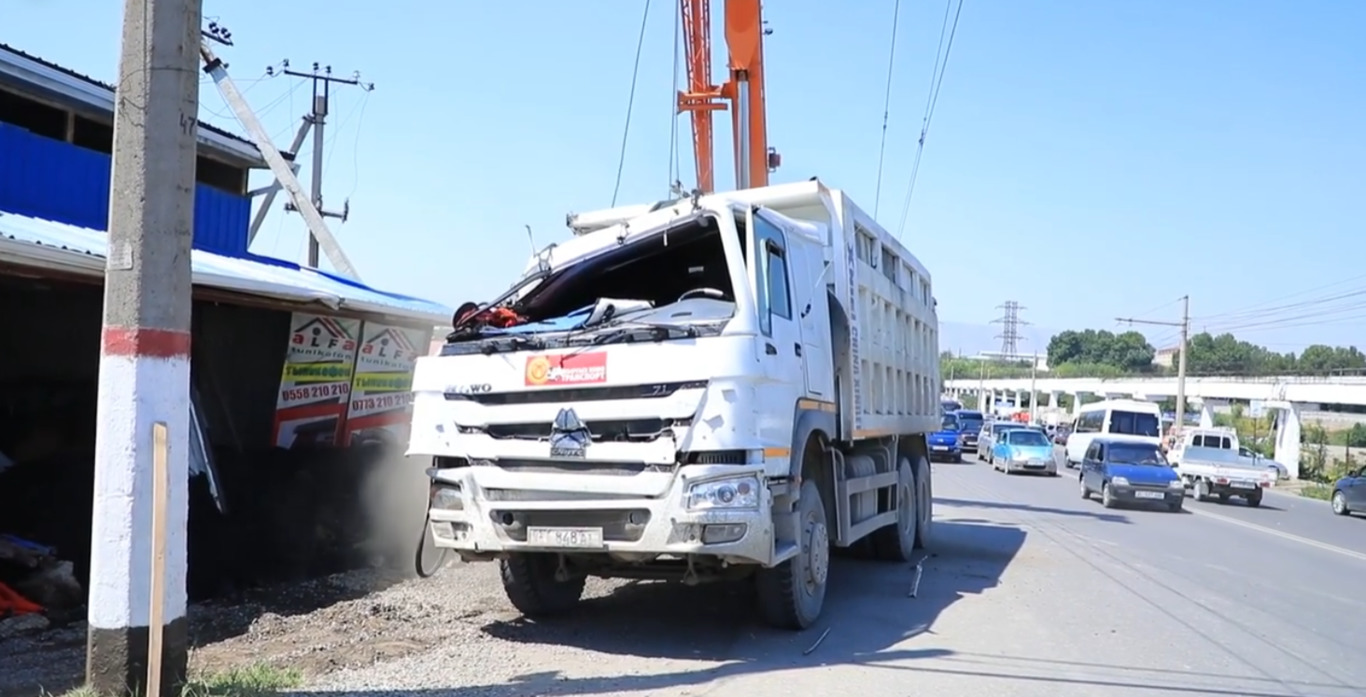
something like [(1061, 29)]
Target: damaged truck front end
[(599, 419)]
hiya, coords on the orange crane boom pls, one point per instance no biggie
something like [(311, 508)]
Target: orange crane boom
[(744, 90)]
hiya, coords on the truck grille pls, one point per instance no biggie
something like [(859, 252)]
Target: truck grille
[(578, 467), (613, 431), (578, 394)]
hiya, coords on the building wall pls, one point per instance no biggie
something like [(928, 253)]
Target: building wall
[(47, 178)]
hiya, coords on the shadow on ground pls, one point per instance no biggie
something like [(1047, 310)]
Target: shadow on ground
[(868, 614), (1006, 506)]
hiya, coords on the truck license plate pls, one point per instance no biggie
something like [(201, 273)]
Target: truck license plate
[(940, 447), (1148, 495), (576, 538), (1242, 485)]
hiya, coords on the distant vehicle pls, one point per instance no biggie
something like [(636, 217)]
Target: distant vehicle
[(1023, 450), (1276, 469), (1060, 434), (1219, 437), (1223, 474), (947, 442), (970, 423), (1349, 493), (986, 438), (1128, 418), (1129, 471), (950, 405)]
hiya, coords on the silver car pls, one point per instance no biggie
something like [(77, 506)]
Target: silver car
[(986, 440)]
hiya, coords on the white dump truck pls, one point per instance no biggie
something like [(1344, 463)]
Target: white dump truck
[(719, 387)]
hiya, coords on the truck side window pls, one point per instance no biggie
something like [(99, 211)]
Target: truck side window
[(779, 302)]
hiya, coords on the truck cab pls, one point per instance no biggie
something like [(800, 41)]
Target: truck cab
[(677, 393)]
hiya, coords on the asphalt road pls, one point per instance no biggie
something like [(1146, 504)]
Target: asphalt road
[(1030, 591)]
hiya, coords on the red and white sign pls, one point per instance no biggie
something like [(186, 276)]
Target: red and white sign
[(566, 369)]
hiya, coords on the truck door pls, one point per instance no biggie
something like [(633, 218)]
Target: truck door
[(781, 341), (806, 264)]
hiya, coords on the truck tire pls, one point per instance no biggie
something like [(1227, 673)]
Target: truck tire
[(897, 542), (924, 488), (530, 584), (792, 593), (1201, 490), (1254, 499)]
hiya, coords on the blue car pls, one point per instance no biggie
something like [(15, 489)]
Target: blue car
[(1128, 471), (947, 442), (1023, 450)]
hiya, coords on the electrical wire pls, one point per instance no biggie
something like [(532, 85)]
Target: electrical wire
[(631, 102), (886, 108), (936, 81)]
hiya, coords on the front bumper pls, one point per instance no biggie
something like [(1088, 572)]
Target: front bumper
[(1147, 494), (496, 519), (945, 450), (1035, 465)]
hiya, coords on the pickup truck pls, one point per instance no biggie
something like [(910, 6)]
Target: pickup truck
[(1219, 472)]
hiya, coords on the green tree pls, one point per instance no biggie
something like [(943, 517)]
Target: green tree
[(1128, 352), (1321, 360)]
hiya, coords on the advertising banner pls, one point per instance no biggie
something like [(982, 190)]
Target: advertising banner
[(316, 383), (381, 392)]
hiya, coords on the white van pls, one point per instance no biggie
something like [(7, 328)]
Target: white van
[(1127, 418)]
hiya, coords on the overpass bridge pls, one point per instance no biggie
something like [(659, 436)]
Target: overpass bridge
[(1287, 396)]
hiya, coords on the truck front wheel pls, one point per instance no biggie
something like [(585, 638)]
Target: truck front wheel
[(792, 593), (530, 583)]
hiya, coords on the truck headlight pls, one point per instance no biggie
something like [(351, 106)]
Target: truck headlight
[(446, 498), (1176, 484), (1119, 481), (735, 492)]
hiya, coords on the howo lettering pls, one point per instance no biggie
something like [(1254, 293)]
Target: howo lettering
[(721, 387)]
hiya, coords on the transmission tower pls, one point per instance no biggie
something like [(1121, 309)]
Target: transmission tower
[(1010, 328)]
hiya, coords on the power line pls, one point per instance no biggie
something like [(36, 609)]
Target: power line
[(631, 102), (886, 108), (936, 81)]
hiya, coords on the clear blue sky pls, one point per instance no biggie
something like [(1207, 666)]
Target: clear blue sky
[(1088, 159)]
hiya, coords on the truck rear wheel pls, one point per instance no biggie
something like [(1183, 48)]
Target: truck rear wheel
[(530, 584), (897, 542), (924, 492), (792, 593)]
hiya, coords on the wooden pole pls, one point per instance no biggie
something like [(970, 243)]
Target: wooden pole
[(155, 624)]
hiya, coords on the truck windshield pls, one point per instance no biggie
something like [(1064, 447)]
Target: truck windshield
[(1134, 454), (1133, 423)]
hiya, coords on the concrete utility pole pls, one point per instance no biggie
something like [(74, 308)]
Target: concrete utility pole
[(144, 379), (282, 168), (1033, 388), (323, 79), (1185, 326)]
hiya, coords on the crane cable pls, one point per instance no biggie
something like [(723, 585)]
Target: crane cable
[(630, 103), (675, 175), (941, 63), (886, 109)]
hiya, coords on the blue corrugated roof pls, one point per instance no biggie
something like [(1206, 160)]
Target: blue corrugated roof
[(46, 244)]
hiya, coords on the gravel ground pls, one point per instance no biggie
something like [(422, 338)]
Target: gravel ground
[(1030, 592)]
